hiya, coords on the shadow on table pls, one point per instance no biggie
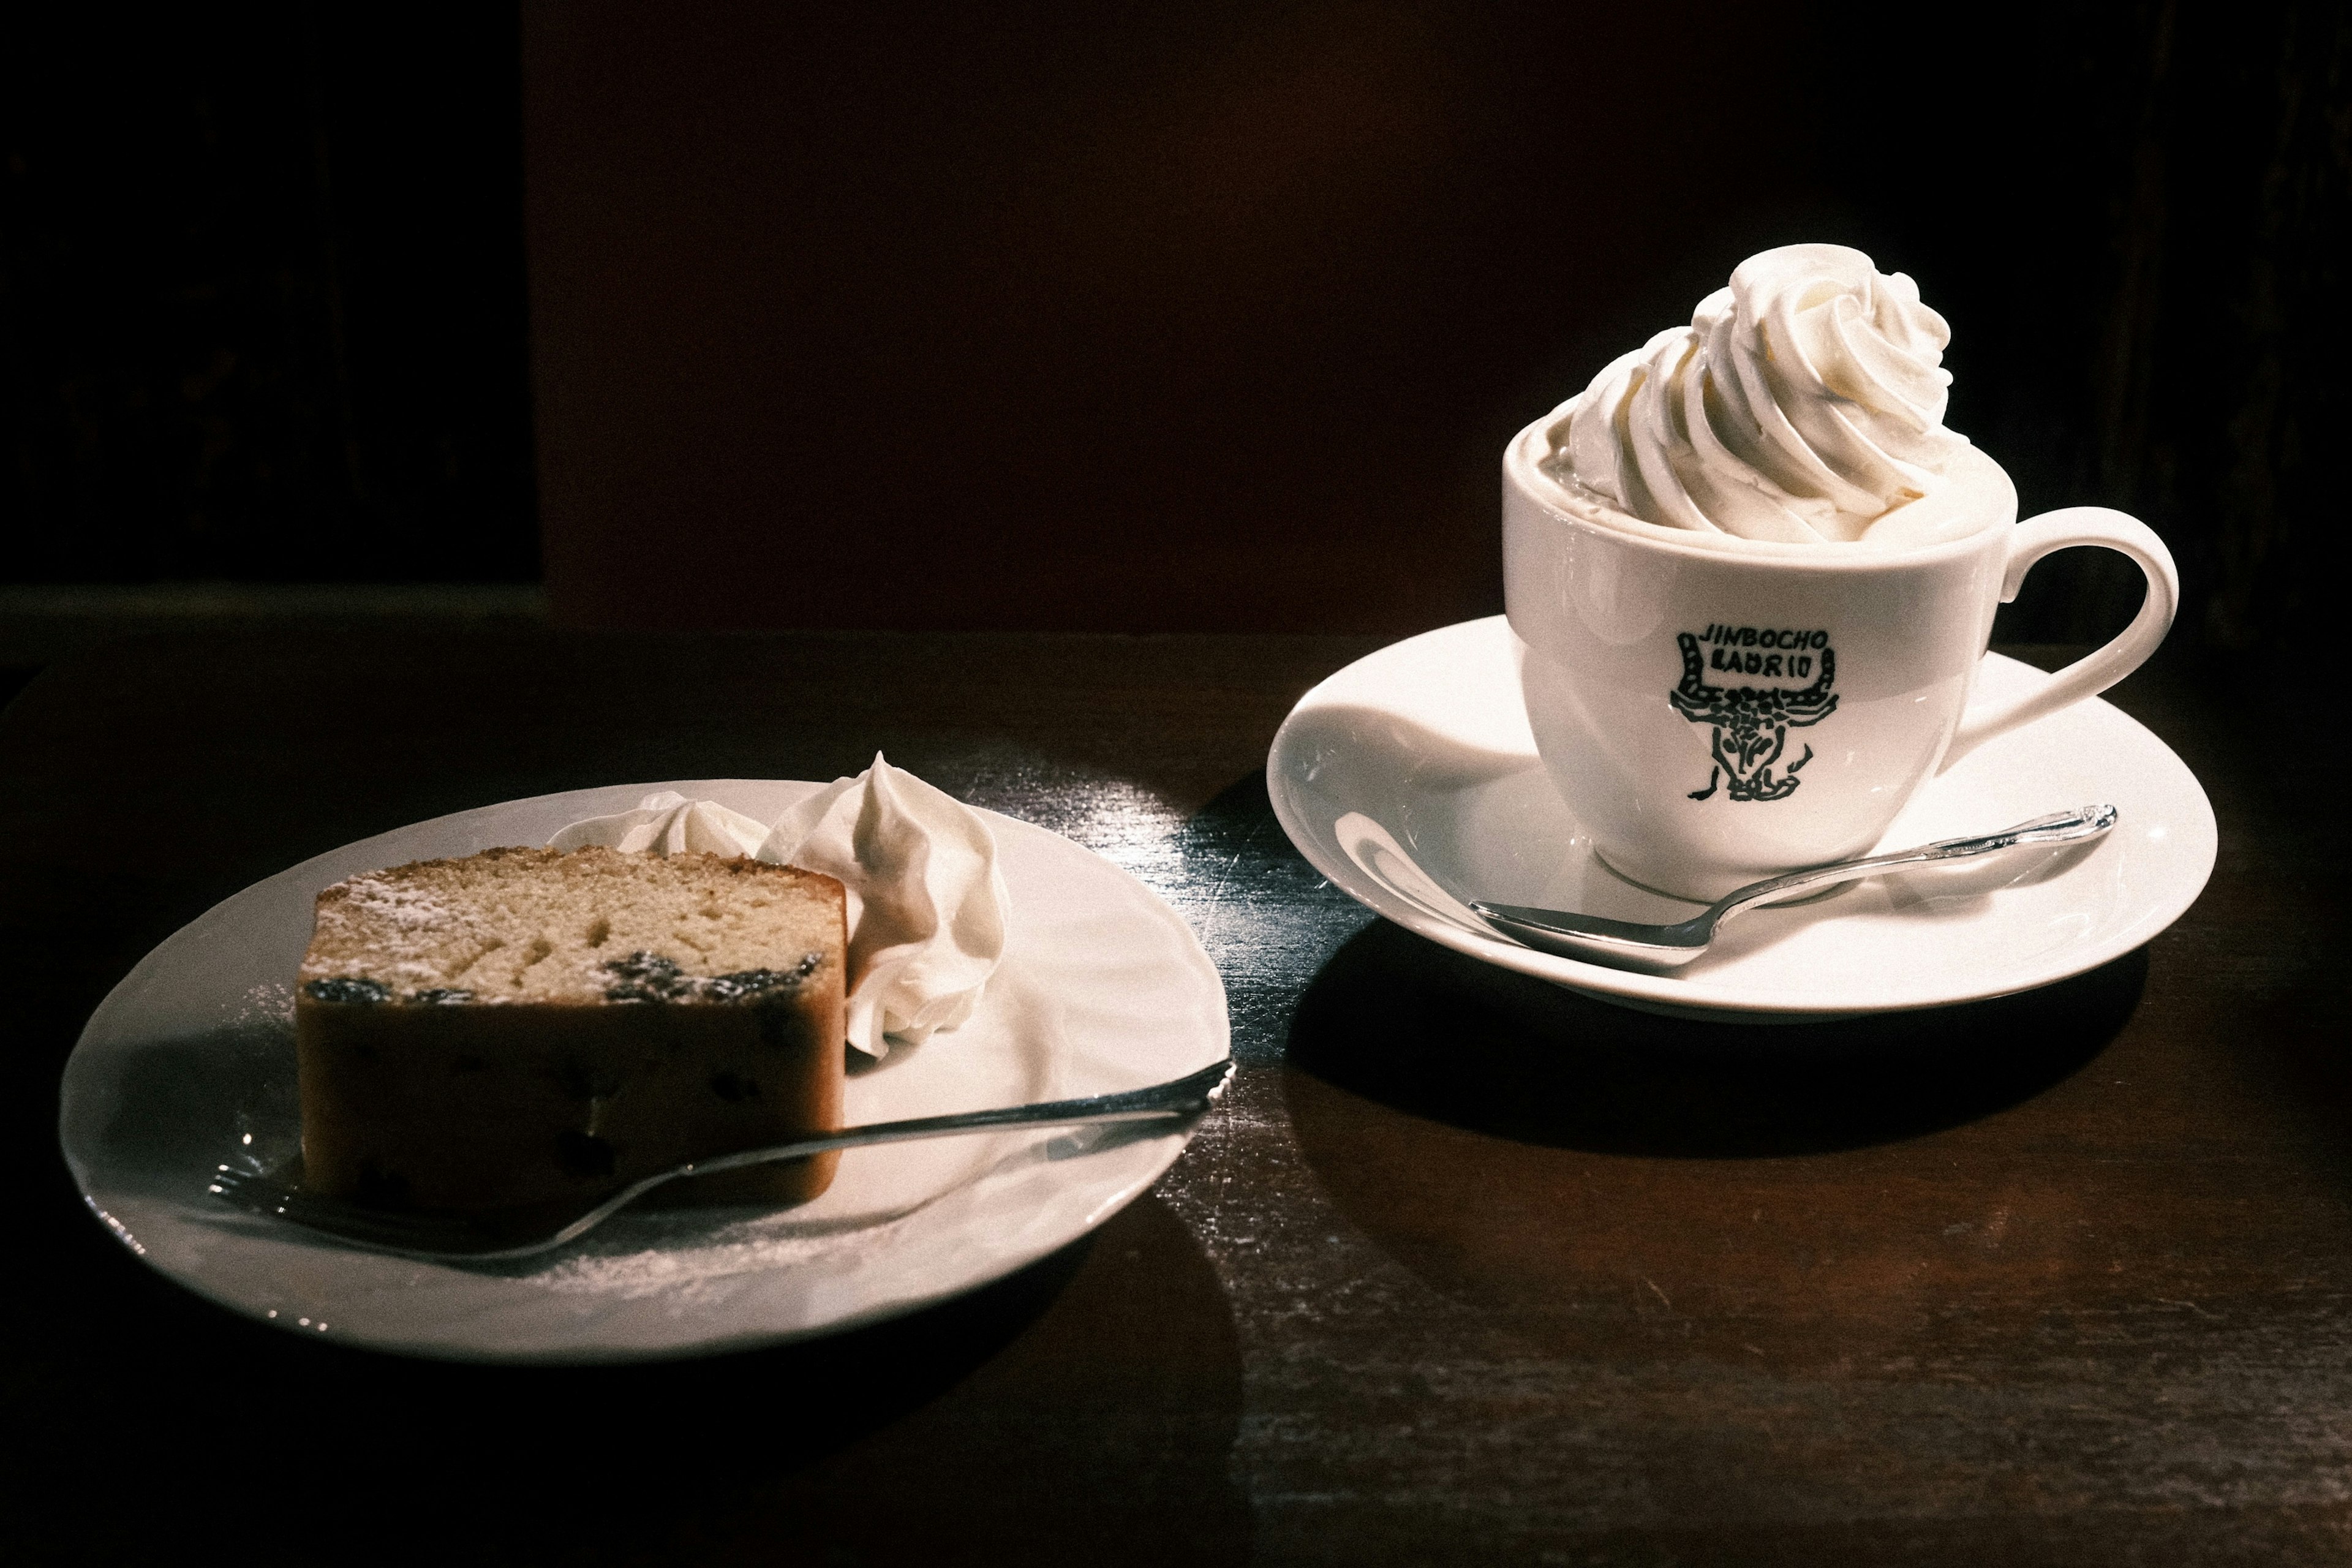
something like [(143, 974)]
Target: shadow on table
[(1613, 1185), (1092, 1398), (1421, 1028)]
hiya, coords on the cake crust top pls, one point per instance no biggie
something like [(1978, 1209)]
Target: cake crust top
[(583, 926)]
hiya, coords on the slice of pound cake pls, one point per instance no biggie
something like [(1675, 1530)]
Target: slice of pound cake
[(525, 1026)]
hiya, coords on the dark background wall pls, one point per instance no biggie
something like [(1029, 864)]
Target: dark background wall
[(261, 296), (1144, 318)]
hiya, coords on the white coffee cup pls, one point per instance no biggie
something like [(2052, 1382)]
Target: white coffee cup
[(1716, 710)]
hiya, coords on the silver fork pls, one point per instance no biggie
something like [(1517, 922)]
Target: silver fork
[(487, 1237)]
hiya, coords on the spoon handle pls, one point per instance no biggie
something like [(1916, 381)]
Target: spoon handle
[(2058, 827)]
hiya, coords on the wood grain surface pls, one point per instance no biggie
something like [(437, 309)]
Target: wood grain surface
[(1466, 1270)]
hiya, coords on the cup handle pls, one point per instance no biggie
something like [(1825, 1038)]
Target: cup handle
[(2095, 672)]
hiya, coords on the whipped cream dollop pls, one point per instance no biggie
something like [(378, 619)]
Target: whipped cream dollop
[(669, 824), (927, 903), (1804, 403)]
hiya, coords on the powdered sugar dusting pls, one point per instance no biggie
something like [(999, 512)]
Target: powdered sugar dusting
[(413, 935), (692, 1273), (269, 1003), (407, 907)]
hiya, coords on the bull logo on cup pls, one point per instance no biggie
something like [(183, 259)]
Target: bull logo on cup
[(1752, 722)]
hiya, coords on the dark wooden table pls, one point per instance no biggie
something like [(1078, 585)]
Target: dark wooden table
[(1466, 1270)]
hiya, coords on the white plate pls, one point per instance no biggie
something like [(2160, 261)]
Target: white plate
[(189, 1063), (1427, 740)]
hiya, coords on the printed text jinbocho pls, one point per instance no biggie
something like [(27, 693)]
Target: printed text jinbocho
[(1754, 650)]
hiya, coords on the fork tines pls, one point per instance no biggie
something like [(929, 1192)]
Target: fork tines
[(262, 1195)]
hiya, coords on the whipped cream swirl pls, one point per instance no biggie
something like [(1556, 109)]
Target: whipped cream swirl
[(1802, 405), (928, 905)]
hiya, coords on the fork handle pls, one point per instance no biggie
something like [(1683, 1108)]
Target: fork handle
[(1179, 1099)]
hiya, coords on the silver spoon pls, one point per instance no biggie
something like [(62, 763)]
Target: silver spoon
[(1592, 937), (488, 1236)]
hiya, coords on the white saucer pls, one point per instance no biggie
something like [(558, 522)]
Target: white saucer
[(1427, 741), (189, 1063)]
